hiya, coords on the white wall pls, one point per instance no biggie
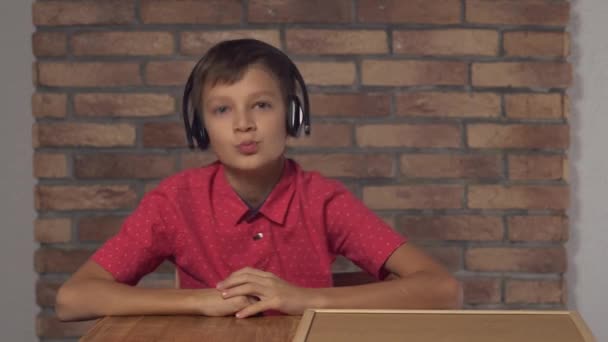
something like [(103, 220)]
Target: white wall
[(17, 307), (588, 256)]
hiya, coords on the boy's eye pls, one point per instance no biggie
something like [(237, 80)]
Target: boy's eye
[(262, 105), (220, 110)]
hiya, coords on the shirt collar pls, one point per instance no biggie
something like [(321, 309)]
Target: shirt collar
[(274, 207), (277, 203)]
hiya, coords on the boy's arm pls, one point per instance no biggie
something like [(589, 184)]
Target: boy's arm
[(92, 292), (418, 282)]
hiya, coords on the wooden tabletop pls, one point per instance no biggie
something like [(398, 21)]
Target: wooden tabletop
[(193, 328), (352, 326)]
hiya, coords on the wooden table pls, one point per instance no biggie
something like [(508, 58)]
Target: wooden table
[(193, 328), (352, 326)]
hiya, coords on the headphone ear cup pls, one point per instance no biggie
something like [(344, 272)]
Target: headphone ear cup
[(204, 139), (294, 116), (201, 132)]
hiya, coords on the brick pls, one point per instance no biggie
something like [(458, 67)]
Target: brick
[(126, 166), (452, 42), (191, 12), (164, 134), (451, 228), (334, 42), (435, 104), (536, 44), (99, 228), (566, 169), (535, 106), (327, 73), (51, 327), (404, 135), (198, 43), (85, 197), (538, 228), (522, 74), (535, 292), (122, 43), (413, 196), (409, 11), (47, 260), (352, 186), (172, 73), (83, 135), (506, 259), (46, 292), (518, 136), (348, 165), (536, 167), (88, 12), (49, 105), (88, 74), (295, 11), (50, 165), (351, 104), (508, 12), (518, 197), (325, 135), (388, 219), (149, 186), (451, 166), (481, 290), (413, 73), (49, 44), (450, 257), (196, 159), (566, 106), (53, 230), (124, 105)]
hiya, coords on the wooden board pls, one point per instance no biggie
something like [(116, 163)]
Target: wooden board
[(441, 325)]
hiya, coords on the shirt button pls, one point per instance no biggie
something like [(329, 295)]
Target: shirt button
[(258, 236)]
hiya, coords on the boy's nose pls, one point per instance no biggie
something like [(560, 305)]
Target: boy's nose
[(244, 121)]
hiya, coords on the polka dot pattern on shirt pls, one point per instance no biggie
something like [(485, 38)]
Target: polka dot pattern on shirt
[(196, 220)]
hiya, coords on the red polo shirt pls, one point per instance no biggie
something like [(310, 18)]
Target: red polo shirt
[(197, 221)]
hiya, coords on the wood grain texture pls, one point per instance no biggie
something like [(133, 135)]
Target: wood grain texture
[(352, 326), (193, 328)]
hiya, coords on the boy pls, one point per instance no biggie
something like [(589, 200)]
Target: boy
[(252, 233)]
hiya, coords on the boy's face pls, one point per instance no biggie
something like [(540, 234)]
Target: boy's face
[(245, 121)]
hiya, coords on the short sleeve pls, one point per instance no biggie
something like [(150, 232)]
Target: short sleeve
[(142, 243), (359, 234)]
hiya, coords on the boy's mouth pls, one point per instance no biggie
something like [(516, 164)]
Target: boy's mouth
[(248, 147)]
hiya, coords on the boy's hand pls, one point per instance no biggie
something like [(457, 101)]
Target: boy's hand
[(273, 292), (213, 304)]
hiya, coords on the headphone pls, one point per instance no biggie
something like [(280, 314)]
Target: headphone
[(297, 116)]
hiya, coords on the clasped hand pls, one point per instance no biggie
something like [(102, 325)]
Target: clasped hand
[(268, 291)]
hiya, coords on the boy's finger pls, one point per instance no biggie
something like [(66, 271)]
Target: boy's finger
[(236, 280), (253, 309), (251, 270), (249, 289)]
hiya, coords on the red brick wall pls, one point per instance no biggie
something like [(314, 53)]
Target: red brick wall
[(448, 117)]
